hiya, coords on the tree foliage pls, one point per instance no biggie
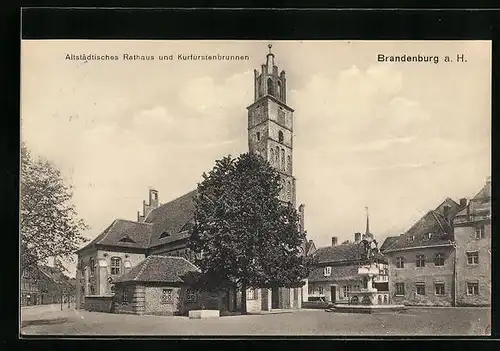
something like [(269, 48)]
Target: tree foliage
[(49, 223), (242, 233)]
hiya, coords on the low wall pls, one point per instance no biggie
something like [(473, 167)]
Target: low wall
[(315, 304), (99, 303)]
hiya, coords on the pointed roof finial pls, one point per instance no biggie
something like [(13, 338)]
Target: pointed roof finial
[(270, 46)]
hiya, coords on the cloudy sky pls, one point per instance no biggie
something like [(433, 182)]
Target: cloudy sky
[(396, 137)]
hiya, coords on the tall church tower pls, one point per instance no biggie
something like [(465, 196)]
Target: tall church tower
[(270, 124)]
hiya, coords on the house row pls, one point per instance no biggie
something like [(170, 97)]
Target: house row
[(43, 284), (444, 259)]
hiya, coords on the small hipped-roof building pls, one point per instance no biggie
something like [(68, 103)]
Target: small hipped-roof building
[(157, 286)]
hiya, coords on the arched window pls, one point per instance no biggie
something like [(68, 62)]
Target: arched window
[(270, 89), (282, 159), (277, 156), (279, 92), (280, 136), (289, 190), (116, 263), (289, 163), (271, 159)]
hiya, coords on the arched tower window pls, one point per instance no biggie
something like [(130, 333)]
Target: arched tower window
[(289, 190), (270, 89), (289, 163), (282, 159), (277, 156), (271, 158), (280, 136), (279, 90)]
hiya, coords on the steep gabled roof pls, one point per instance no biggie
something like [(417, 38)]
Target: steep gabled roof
[(417, 236), (172, 218), (54, 274), (159, 269), (479, 205), (123, 233), (433, 222), (338, 253), (345, 272), (388, 242)]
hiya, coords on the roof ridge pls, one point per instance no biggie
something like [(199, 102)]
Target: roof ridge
[(135, 222)]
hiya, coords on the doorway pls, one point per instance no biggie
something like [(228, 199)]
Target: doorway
[(275, 298), (333, 296)]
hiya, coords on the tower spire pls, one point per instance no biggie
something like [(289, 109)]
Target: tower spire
[(367, 222)]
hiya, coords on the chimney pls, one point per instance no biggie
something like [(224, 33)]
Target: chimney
[(463, 202), (334, 241), (357, 237), (301, 218)]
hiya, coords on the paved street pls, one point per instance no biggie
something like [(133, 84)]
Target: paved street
[(418, 321)]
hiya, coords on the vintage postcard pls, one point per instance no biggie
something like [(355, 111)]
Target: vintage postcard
[(189, 188)]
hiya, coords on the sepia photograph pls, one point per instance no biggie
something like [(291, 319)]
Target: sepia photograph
[(255, 188)]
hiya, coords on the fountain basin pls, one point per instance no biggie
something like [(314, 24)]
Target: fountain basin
[(368, 309)]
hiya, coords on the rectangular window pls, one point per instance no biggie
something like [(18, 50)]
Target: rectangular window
[(480, 232), (115, 265), (191, 295), (472, 288), (252, 294), (166, 296), (400, 262), (124, 295), (92, 266), (420, 288), (346, 290), (327, 271), (420, 261), (310, 289), (439, 288), (439, 259), (473, 257), (320, 290), (400, 289)]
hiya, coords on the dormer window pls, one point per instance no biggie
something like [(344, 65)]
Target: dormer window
[(126, 239), (327, 271), (429, 235), (164, 234), (411, 238), (258, 136)]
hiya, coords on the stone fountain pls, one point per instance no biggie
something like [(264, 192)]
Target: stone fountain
[(368, 299)]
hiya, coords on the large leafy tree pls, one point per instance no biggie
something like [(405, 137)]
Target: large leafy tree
[(243, 234), (49, 223)]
